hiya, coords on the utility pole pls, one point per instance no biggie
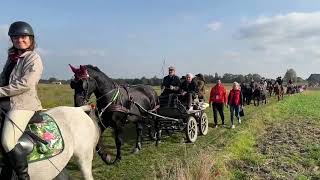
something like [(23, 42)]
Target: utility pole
[(163, 66)]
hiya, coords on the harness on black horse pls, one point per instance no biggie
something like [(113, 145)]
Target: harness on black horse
[(116, 103)]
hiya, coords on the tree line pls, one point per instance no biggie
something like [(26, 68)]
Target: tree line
[(225, 78)]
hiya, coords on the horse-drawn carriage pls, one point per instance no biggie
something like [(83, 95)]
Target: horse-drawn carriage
[(174, 116), (118, 105)]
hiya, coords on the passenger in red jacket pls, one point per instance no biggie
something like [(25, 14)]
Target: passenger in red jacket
[(218, 98), (235, 101)]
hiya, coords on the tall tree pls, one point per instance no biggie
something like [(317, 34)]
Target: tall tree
[(256, 77), (216, 76), (290, 74), (52, 79)]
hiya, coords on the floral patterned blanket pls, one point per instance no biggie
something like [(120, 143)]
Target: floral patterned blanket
[(49, 131)]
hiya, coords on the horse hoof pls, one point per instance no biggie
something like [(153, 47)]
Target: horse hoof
[(116, 161), (158, 143), (108, 159), (135, 150)]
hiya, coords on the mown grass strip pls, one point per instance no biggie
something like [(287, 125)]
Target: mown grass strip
[(243, 149)]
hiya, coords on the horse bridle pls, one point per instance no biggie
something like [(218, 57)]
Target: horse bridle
[(85, 86)]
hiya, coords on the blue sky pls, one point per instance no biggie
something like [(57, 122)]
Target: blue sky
[(132, 38)]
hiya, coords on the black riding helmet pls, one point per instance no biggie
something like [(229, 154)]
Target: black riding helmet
[(20, 28)]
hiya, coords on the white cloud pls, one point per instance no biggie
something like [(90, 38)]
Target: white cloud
[(214, 26), (284, 29), (285, 37)]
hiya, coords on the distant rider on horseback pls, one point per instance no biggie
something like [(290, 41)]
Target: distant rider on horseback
[(279, 80)]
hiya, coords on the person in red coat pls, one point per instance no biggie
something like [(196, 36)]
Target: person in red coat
[(235, 101), (218, 98)]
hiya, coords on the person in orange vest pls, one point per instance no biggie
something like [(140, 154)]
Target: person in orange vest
[(218, 99)]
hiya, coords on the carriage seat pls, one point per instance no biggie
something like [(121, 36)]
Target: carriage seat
[(168, 100)]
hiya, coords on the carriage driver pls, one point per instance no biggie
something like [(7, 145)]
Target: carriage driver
[(18, 81), (171, 83)]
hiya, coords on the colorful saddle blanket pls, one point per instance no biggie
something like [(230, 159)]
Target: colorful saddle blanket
[(50, 143)]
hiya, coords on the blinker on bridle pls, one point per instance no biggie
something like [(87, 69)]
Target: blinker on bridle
[(85, 86)]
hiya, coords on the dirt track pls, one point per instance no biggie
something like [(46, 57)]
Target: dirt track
[(288, 150)]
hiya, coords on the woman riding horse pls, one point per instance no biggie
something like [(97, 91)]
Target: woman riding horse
[(19, 81)]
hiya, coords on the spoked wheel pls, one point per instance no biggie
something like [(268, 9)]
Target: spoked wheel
[(191, 129), (204, 124)]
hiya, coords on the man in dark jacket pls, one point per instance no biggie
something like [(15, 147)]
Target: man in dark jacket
[(171, 83), (189, 89)]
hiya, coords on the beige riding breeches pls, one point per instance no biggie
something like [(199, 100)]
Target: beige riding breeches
[(15, 122)]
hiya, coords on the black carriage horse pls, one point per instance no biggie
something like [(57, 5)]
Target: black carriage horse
[(116, 104)]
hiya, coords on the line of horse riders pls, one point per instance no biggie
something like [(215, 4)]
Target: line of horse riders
[(259, 91)]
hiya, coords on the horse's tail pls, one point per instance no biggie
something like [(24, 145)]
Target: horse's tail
[(86, 108)]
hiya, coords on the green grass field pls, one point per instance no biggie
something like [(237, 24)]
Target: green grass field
[(279, 140)]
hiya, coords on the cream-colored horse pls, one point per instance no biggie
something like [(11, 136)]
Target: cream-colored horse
[(80, 134)]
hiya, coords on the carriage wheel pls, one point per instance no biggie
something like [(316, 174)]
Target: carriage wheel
[(204, 124), (191, 129)]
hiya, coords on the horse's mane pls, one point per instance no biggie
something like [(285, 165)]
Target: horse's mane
[(93, 67), (96, 72)]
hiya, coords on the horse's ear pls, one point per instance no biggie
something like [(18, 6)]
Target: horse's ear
[(84, 71), (74, 69), (83, 68)]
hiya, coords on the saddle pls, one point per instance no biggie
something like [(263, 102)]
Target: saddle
[(176, 100), (42, 138)]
